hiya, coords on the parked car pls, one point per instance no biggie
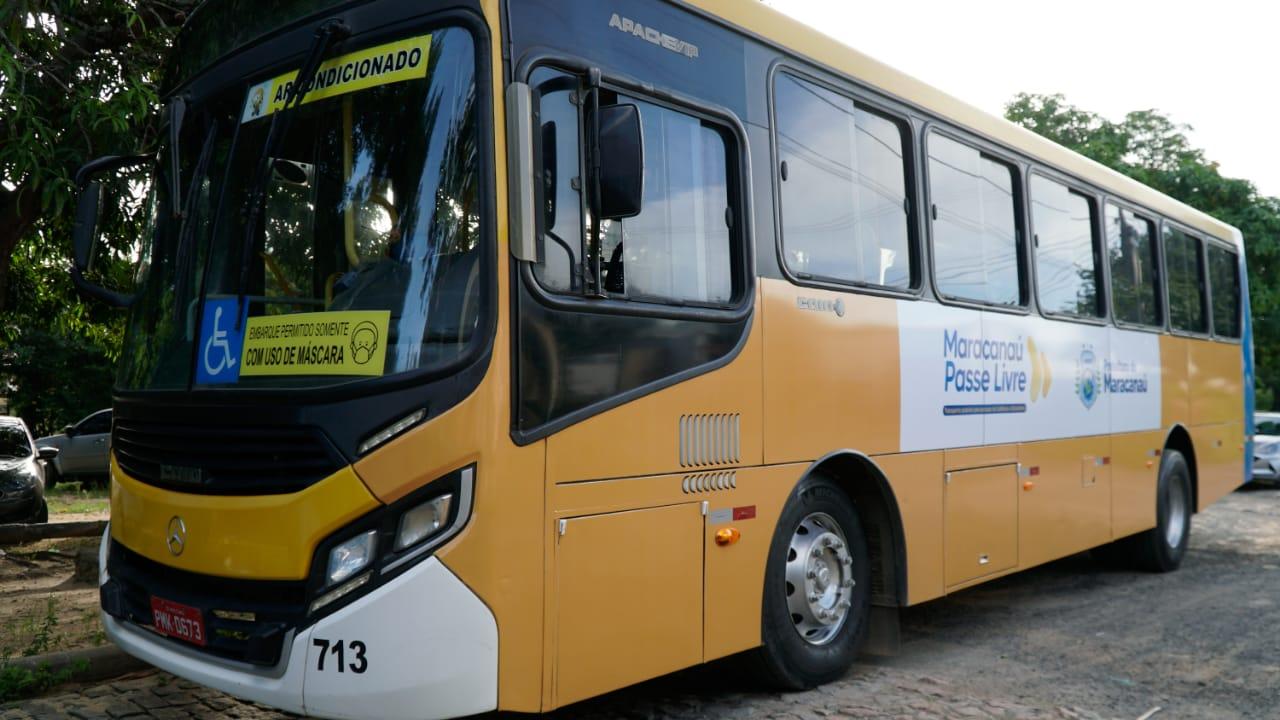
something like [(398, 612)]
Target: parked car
[(1266, 447), (21, 474), (83, 450)]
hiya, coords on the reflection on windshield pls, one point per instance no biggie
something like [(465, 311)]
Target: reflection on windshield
[(371, 215), (13, 442)]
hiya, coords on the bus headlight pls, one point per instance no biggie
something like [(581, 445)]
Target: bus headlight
[(351, 557), (423, 521), (389, 540)]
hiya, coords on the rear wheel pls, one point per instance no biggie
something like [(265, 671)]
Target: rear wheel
[(51, 476), (817, 592)]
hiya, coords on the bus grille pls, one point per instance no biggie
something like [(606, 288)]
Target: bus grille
[(242, 460)]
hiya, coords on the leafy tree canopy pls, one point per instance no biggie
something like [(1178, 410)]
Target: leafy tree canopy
[(1152, 149), (78, 79)]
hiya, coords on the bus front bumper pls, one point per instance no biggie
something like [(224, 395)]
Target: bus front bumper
[(420, 646)]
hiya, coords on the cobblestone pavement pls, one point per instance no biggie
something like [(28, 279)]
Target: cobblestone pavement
[(1070, 640)]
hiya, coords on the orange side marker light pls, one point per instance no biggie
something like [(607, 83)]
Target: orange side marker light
[(1028, 486), (727, 536)]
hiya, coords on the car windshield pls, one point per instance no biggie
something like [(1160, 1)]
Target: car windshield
[(365, 260), (14, 442)]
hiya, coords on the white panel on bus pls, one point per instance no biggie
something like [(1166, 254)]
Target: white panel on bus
[(942, 399), (1131, 378), (1061, 363), (973, 377)]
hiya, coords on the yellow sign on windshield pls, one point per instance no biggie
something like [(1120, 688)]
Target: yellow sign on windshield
[(381, 65), (353, 342)]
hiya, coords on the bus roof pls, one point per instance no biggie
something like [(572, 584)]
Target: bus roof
[(804, 41)]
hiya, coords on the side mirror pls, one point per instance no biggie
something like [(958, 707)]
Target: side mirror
[(66, 430), (84, 233), (621, 143), (47, 453)]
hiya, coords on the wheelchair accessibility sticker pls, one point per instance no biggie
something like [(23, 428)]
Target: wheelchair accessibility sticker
[(352, 342), (218, 357)]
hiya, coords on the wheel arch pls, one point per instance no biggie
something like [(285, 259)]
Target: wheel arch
[(868, 489), (1179, 438)]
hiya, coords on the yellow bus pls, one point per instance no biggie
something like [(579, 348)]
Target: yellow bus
[(525, 350)]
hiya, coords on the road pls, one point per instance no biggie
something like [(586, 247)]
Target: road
[(1068, 640)]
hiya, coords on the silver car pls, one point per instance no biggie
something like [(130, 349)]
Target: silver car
[(83, 450), (1266, 447)]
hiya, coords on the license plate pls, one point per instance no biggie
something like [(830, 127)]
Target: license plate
[(177, 620)]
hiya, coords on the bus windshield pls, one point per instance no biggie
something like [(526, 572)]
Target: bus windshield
[(364, 260)]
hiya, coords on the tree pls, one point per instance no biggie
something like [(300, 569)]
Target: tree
[(1149, 147), (78, 79)]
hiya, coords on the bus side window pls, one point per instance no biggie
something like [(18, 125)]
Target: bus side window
[(975, 224), (843, 188), (1131, 251), (1067, 274), (1186, 285), (678, 247), (1224, 289)]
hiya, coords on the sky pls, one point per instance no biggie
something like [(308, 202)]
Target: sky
[(1208, 65)]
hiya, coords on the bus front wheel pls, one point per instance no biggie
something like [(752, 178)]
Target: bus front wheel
[(817, 592)]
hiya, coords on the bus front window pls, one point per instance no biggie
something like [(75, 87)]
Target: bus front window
[(365, 258)]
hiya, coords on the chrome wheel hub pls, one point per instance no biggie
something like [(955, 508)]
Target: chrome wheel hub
[(819, 579), (1176, 523)]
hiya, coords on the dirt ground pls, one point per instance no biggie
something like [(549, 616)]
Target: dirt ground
[(1067, 641), (42, 608)]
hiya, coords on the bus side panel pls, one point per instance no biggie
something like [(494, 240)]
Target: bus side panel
[(748, 500), (1067, 507), (644, 436), (1216, 378), (831, 372), (735, 572), (1174, 383), (917, 483), (1218, 448), (1135, 467), (1217, 406)]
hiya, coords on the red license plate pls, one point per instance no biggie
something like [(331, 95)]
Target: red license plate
[(177, 620)]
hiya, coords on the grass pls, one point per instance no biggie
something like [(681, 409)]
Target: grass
[(72, 497), (17, 682)]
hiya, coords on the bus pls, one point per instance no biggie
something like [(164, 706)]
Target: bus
[(500, 354)]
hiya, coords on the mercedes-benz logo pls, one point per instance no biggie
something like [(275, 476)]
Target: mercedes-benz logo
[(176, 538)]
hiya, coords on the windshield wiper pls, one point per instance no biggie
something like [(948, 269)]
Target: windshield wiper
[(329, 32)]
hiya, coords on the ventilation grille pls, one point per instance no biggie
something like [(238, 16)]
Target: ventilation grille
[(710, 439), (709, 482), (244, 460)]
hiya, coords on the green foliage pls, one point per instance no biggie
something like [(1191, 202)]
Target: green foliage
[(1154, 150), (20, 681), (77, 80)]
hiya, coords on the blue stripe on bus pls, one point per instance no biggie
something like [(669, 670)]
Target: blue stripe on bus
[(992, 409)]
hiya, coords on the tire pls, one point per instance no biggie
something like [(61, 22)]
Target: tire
[(41, 515), (1162, 548), (51, 476), (801, 650)]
